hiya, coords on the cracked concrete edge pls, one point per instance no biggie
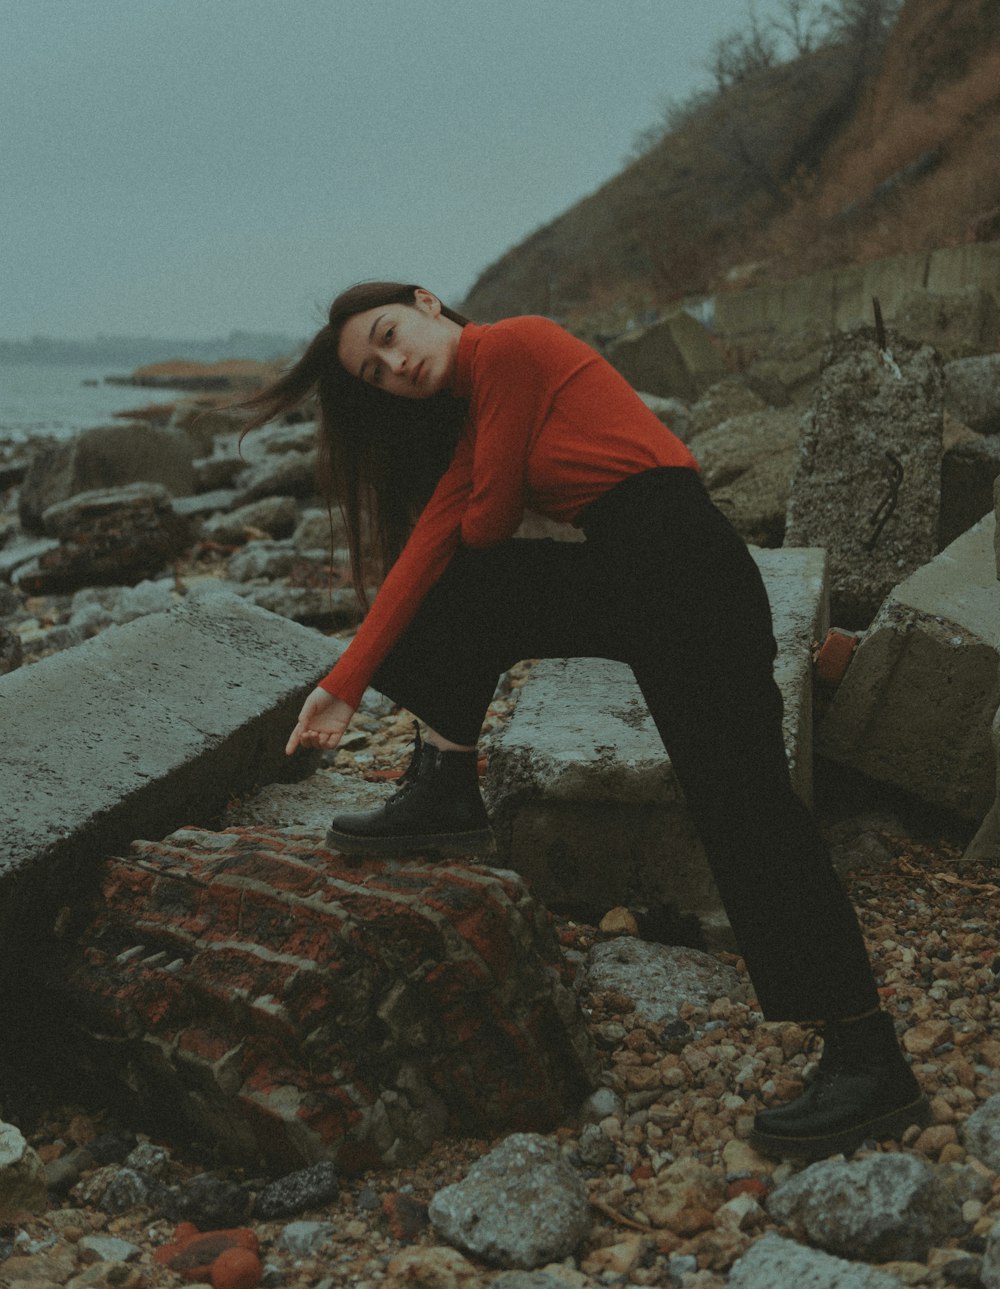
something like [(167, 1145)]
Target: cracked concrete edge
[(140, 730)]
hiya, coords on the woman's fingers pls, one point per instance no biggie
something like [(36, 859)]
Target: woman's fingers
[(321, 722)]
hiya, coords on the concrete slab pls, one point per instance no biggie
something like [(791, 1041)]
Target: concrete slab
[(584, 800), (144, 728), (916, 705)]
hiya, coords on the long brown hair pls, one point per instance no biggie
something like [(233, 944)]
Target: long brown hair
[(380, 456)]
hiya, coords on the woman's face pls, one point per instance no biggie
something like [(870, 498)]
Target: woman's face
[(405, 349)]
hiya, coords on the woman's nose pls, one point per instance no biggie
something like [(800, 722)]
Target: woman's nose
[(395, 361)]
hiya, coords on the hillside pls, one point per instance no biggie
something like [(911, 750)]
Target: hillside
[(820, 162)]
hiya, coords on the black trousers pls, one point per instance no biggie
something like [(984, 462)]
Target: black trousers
[(665, 584)]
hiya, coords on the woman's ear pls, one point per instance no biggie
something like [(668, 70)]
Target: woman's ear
[(424, 300)]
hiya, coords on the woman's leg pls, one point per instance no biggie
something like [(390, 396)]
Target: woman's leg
[(490, 609), (702, 649)]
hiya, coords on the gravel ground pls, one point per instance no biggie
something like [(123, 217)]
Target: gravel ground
[(685, 1091)]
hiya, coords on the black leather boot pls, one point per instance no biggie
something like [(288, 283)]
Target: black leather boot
[(437, 809), (863, 1090)]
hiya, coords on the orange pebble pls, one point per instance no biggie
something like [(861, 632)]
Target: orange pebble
[(236, 1269)]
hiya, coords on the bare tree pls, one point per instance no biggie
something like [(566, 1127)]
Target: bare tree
[(862, 23), (800, 24), (740, 55)]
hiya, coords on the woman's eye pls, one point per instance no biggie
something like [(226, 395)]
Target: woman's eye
[(377, 374), (389, 334)]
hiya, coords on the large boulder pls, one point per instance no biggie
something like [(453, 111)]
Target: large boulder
[(880, 1208), (522, 1205), (105, 457), (748, 463), (115, 536), (868, 484), (254, 989)]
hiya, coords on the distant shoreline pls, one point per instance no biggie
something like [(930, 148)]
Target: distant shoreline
[(127, 352)]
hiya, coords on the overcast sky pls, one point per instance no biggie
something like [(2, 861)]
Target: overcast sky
[(191, 167)]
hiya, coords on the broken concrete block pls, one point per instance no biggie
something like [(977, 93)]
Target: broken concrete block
[(674, 358), (917, 702), (584, 800), (868, 484), (254, 990), (986, 843), (143, 728)]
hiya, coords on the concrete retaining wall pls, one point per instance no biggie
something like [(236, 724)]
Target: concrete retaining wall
[(838, 299)]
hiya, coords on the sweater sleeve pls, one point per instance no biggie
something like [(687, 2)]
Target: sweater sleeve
[(433, 541), (513, 392)]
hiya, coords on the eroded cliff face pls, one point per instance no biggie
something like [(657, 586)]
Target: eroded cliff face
[(796, 170)]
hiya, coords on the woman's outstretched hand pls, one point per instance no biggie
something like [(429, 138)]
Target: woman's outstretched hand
[(321, 722)]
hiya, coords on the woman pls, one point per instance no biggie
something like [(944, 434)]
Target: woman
[(421, 411)]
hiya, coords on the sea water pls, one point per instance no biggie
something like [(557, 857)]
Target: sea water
[(58, 399)]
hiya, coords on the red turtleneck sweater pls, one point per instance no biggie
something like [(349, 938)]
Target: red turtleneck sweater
[(551, 427)]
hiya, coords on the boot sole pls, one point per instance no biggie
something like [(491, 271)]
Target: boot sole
[(452, 844), (891, 1124)]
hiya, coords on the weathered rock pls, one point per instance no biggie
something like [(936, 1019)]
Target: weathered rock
[(314, 532), (19, 553), (972, 392), (868, 484), (880, 1208), (723, 401), (106, 1248), (11, 651), (748, 463), (774, 1262), (683, 1185), (218, 472), (315, 606), (203, 423), (522, 1205), (421, 1268), (115, 536), (528, 1280), (105, 457), (263, 994), (916, 704), (22, 1176), (306, 1188), (958, 325), (674, 358), (208, 1201), (980, 1133), (658, 979), (292, 474), (303, 1238), (674, 414), (277, 517), (203, 504), (269, 559)]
